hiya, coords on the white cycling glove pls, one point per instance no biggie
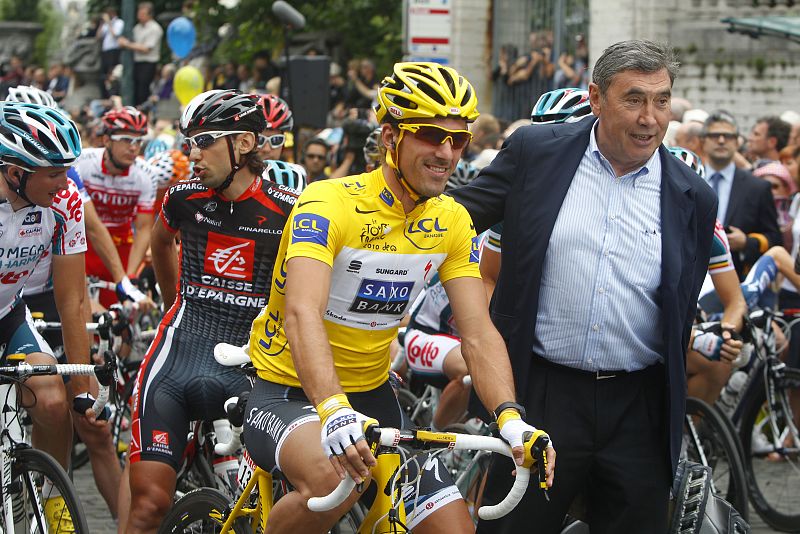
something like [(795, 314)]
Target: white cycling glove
[(513, 428), (342, 426), (127, 291), (707, 340)]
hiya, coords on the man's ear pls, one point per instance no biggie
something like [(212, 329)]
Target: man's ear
[(247, 142), (14, 174)]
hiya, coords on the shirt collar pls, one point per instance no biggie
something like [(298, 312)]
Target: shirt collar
[(652, 166), (726, 172)]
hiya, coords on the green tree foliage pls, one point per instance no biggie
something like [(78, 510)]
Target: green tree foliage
[(366, 28), (19, 10), (35, 11)]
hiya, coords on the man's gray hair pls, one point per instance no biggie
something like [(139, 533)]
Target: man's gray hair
[(636, 55)]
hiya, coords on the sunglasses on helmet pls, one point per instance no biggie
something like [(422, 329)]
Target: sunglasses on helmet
[(205, 140), (275, 141), (436, 135)]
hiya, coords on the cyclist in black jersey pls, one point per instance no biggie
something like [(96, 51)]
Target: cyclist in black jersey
[(230, 222)]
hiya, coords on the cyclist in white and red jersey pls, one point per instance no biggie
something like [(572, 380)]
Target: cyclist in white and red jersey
[(122, 190), (40, 211), (230, 221), (270, 144)]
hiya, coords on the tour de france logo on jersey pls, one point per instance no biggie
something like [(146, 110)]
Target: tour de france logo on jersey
[(382, 296), (310, 228), (426, 233)]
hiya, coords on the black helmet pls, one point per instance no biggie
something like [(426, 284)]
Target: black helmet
[(223, 110)]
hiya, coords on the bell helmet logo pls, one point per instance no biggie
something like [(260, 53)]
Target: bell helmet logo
[(395, 111)]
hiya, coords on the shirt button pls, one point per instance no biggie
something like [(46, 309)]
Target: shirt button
[(613, 217), (590, 360), (601, 290), (605, 253), (596, 327)]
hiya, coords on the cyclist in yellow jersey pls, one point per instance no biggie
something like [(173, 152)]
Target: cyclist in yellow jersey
[(355, 253)]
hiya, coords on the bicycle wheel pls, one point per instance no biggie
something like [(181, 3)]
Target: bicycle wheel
[(710, 443), (200, 511), (774, 472), (420, 416), (40, 480)]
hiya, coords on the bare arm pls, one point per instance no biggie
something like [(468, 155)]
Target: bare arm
[(308, 284), (481, 344), (485, 353), (102, 243), (730, 295), (165, 262), (490, 270), (143, 224), (344, 168), (69, 289)]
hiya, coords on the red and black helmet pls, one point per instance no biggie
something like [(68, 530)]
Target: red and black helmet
[(276, 112), (127, 119), (222, 109)]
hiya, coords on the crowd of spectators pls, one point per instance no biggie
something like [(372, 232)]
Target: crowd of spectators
[(521, 78)]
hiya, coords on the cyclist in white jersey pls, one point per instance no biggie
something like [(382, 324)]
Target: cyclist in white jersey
[(123, 193), (40, 211), (39, 297), (40, 281), (270, 144)]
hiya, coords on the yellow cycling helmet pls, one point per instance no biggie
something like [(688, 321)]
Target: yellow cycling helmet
[(425, 90)]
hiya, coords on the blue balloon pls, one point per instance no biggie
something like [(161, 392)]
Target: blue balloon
[(181, 36)]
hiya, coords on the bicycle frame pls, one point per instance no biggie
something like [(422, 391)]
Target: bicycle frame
[(252, 476)]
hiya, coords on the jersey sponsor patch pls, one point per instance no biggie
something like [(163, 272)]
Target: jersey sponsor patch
[(387, 196), (381, 296), (310, 228), (228, 256), (475, 253), (160, 437), (34, 217), (425, 234)]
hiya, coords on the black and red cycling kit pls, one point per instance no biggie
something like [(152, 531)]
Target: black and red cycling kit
[(227, 254)]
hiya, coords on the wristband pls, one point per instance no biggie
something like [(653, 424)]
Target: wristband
[(330, 405), (507, 415), (503, 406)]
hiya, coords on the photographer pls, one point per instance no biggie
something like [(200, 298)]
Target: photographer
[(356, 128)]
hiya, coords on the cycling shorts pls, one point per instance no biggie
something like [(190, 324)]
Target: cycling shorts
[(178, 382), (18, 336), (425, 353), (45, 303), (275, 410)]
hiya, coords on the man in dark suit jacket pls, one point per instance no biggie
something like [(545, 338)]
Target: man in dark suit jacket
[(746, 207), (606, 242)]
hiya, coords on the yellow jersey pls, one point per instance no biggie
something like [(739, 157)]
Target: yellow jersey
[(380, 258)]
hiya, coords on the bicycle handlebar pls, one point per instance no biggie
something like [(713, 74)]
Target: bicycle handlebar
[(391, 437), (104, 373), (234, 408)]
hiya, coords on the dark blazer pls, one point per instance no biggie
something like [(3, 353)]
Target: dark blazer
[(751, 208), (525, 187)]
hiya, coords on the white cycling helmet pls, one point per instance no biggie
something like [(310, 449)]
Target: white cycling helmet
[(31, 95), (689, 158), (561, 105)]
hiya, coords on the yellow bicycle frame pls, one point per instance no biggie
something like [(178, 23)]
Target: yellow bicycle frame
[(388, 464)]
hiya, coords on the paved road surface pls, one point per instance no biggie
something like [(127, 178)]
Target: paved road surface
[(100, 521)]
